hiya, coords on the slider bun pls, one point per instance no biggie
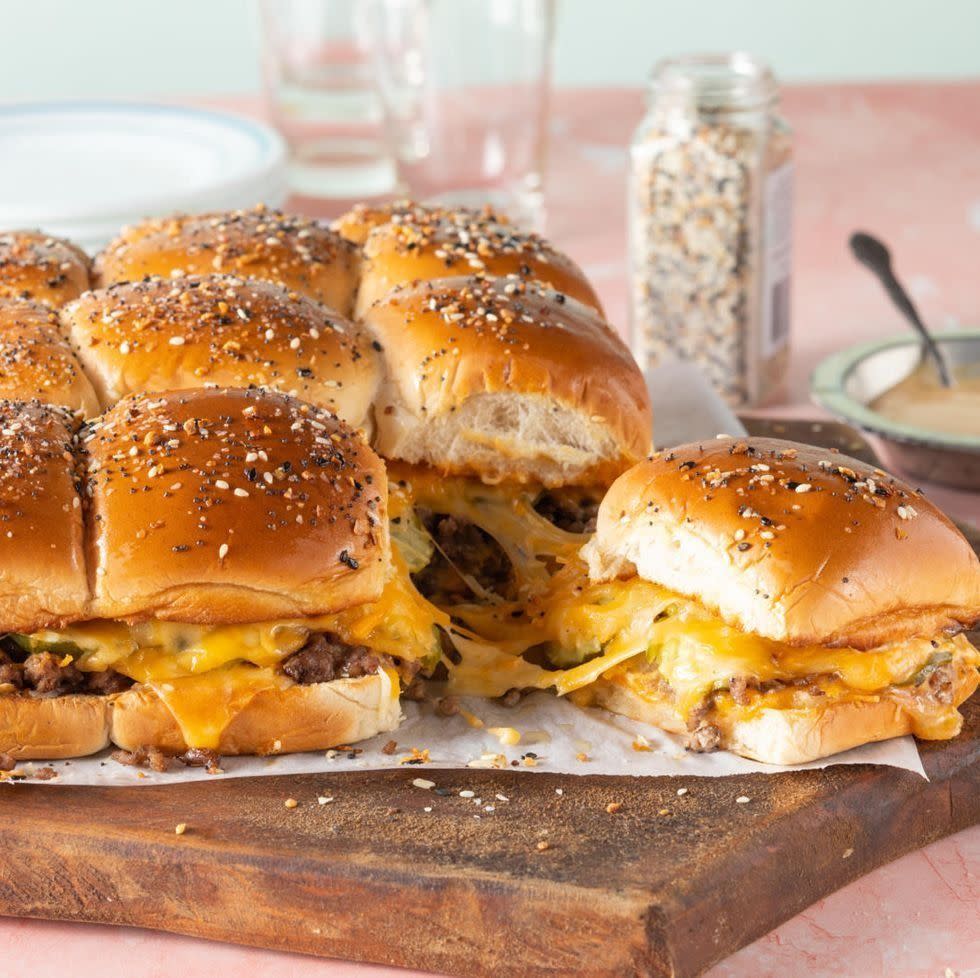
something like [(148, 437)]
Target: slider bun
[(783, 736), (503, 380), (36, 361), (430, 244), (276, 721), (33, 265), (167, 334), (296, 497), (52, 727), (42, 558), (362, 219), (302, 255), (860, 559)]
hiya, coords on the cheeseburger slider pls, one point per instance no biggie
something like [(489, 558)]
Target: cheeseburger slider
[(774, 599), (301, 255), (506, 410), (406, 242), (201, 569), (167, 334), (33, 265), (37, 360)]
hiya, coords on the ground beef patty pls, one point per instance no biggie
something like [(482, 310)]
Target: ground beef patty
[(325, 658), (462, 548), (574, 512), (46, 674)]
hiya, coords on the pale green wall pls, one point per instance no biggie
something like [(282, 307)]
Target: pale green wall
[(53, 48)]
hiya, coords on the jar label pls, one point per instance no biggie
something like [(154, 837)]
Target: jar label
[(778, 249)]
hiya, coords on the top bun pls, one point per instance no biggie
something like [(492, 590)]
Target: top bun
[(166, 334), (426, 244), (36, 361), (362, 219), (43, 582), (796, 543), (224, 506), (33, 265), (505, 380), (302, 255)]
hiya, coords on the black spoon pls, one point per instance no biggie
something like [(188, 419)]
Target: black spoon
[(871, 252)]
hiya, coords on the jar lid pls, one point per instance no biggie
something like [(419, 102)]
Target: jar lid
[(718, 80), (82, 170)]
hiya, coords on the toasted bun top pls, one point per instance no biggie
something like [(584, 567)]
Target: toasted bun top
[(300, 254), (432, 244), (362, 219), (166, 334), (789, 541), (42, 559), (33, 265), (36, 361), (503, 379), (224, 506)]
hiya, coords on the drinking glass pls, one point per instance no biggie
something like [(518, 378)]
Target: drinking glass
[(320, 67), (443, 100), (470, 122)]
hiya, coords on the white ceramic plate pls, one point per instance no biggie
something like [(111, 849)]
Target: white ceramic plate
[(83, 169)]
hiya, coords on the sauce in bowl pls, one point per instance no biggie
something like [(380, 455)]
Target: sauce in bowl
[(922, 402)]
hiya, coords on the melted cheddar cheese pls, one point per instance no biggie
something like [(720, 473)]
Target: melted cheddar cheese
[(589, 630), (206, 675)]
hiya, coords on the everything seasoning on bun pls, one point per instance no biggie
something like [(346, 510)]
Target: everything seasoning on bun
[(203, 569)]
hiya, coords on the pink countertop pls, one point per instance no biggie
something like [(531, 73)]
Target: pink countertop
[(902, 161)]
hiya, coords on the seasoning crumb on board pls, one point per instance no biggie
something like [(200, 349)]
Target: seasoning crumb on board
[(290, 802), (613, 807), (180, 828)]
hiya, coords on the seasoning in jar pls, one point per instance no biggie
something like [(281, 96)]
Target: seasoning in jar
[(710, 224)]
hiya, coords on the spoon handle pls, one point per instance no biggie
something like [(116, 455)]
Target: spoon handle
[(904, 302)]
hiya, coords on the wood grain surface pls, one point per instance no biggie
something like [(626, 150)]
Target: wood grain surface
[(664, 886)]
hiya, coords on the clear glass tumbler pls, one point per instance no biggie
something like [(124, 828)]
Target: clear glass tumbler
[(320, 60), (470, 118)]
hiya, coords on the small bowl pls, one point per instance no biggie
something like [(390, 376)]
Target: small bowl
[(847, 382)]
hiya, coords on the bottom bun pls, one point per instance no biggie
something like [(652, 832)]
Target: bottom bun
[(53, 727), (275, 721), (788, 736)]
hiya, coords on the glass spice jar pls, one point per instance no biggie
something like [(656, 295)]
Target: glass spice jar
[(710, 208)]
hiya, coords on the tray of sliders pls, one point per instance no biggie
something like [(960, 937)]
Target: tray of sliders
[(264, 480)]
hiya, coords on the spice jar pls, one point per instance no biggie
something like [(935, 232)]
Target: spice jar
[(710, 224)]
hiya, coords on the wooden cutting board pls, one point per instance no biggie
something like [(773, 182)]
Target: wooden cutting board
[(665, 886)]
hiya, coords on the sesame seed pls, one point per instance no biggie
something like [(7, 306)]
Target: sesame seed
[(177, 341), (222, 551), (324, 800), (742, 800), (466, 793), (803, 487), (681, 792), (241, 492), (220, 484)]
